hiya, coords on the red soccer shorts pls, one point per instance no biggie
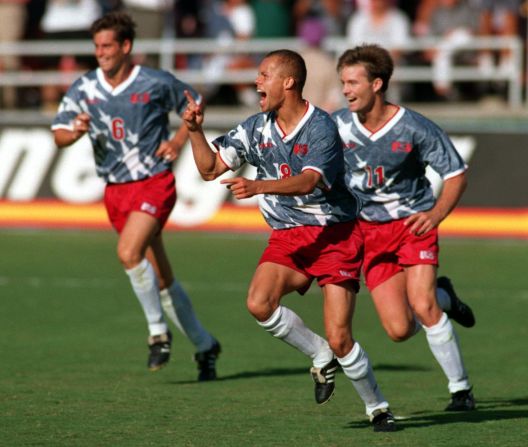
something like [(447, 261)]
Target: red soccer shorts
[(389, 246), (155, 195), (331, 254)]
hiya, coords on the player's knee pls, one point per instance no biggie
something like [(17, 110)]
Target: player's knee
[(399, 332), (340, 342), (259, 306), (128, 258), (427, 312)]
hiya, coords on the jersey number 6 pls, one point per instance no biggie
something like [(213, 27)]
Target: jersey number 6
[(118, 129)]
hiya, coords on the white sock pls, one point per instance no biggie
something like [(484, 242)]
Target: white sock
[(443, 343), (178, 308), (288, 326), (443, 299), (145, 285), (356, 366)]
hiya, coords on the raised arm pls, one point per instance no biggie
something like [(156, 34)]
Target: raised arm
[(208, 162)]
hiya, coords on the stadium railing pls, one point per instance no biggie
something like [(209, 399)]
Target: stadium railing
[(167, 49)]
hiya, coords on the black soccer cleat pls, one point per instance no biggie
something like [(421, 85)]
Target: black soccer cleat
[(461, 401), (159, 351), (460, 311), (324, 379), (383, 420), (206, 361)]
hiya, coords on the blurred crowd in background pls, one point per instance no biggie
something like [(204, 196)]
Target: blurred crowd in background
[(386, 22)]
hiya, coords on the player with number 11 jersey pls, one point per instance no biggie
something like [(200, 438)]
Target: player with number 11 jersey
[(386, 167)]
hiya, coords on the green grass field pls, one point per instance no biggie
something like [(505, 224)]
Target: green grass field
[(73, 354)]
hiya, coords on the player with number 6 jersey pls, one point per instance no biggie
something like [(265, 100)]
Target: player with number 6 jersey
[(128, 122), (125, 109)]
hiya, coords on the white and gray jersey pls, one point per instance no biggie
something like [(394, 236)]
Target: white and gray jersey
[(386, 168), (313, 145), (128, 122)]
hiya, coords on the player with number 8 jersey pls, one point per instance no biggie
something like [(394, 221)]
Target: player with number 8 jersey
[(312, 145)]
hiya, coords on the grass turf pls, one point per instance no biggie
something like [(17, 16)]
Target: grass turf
[(73, 353)]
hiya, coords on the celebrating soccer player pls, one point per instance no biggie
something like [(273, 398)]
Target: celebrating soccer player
[(387, 148), (300, 182), (125, 108)]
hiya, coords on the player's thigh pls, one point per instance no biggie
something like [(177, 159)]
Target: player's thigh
[(421, 290), (392, 307), (135, 237), (271, 282)]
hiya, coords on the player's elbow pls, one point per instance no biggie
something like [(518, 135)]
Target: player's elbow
[(208, 176), (60, 142)]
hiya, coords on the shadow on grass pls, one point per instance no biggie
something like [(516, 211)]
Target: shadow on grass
[(487, 410), (389, 367), (272, 372)]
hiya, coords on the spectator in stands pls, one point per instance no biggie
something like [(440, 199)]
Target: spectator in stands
[(67, 21), (228, 21), (154, 19), (499, 18), (454, 23), (13, 14), (333, 14), (381, 22), (422, 17), (189, 24), (322, 88)]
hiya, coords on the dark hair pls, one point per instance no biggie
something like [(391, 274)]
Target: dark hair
[(293, 65), (120, 22), (377, 62)]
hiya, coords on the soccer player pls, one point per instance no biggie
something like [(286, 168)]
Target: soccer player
[(387, 148), (124, 108), (300, 182)]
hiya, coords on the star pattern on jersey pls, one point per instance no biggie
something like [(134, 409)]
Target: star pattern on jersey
[(132, 137), (266, 134), (358, 176), (68, 105), (89, 87), (345, 130), (132, 160)]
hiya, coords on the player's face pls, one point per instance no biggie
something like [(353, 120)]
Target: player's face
[(110, 54), (359, 92), (270, 84)]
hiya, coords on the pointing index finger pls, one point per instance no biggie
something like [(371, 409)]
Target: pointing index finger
[(189, 97)]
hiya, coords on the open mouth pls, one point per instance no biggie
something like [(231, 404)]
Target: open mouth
[(263, 97)]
